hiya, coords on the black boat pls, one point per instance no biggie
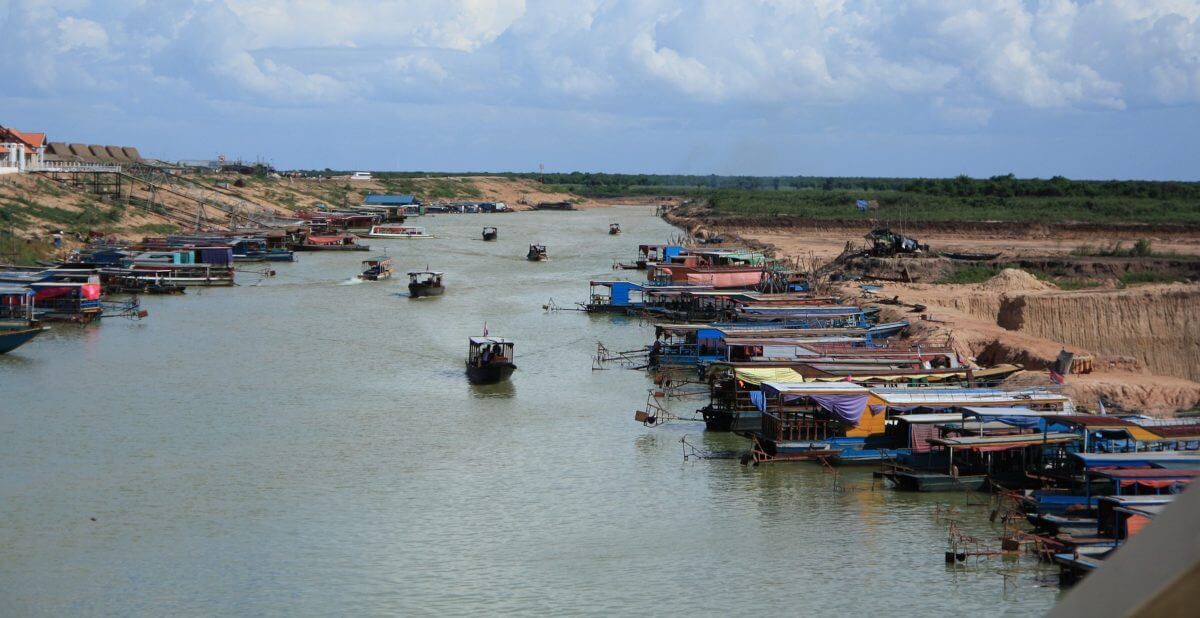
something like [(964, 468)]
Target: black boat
[(969, 256), (537, 253), (614, 229), (490, 233), (489, 360), (425, 283), (17, 325)]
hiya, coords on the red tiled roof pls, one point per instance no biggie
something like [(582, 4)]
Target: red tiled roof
[(33, 139)]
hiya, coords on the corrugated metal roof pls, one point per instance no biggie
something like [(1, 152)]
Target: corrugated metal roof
[(389, 200)]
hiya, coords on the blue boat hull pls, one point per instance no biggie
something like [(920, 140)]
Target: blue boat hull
[(11, 340)]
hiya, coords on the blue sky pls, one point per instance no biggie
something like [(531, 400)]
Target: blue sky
[(1086, 89)]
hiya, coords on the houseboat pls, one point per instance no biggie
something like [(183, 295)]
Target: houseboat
[(537, 253), (403, 232), (60, 294), (17, 323), (490, 233), (335, 242), (377, 269), (425, 283), (199, 266), (489, 360)]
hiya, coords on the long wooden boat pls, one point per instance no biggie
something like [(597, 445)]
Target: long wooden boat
[(425, 283), (489, 360), (339, 242), (13, 339), (971, 256), (913, 480)]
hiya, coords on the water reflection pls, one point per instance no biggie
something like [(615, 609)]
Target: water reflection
[(500, 390)]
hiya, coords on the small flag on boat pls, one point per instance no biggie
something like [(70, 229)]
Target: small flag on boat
[(848, 378), (485, 333), (1057, 377)]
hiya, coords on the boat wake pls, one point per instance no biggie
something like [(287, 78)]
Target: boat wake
[(352, 281)]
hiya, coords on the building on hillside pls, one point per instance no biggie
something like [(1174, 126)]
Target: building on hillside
[(62, 154), (20, 150)]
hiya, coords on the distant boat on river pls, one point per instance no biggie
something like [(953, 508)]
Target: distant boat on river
[(490, 233), (425, 283), (489, 360), (377, 269), (537, 253), (403, 232)]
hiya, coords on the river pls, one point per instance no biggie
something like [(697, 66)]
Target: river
[(308, 445)]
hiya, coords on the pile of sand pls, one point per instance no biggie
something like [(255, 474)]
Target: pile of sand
[(1015, 280)]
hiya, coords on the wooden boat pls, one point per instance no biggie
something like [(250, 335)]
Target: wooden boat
[(17, 324), (377, 269), (915, 480), (489, 360), (614, 229), (403, 232), (490, 233), (338, 242), (425, 283), (537, 253), (971, 256)]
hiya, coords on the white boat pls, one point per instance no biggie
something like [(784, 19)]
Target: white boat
[(360, 176), (398, 231)]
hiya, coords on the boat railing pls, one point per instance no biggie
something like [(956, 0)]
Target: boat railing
[(794, 425)]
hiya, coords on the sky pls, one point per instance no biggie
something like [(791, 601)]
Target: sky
[(930, 88)]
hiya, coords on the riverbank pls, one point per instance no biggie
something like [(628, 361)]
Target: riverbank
[(34, 207), (1145, 351)]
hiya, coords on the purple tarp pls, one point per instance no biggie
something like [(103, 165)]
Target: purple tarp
[(848, 408)]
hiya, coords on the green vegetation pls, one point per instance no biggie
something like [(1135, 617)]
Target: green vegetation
[(157, 229), (999, 198), (1134, 278), (1141, 248), (22, 251), (19, 211), (971, 274), (1065, 282)]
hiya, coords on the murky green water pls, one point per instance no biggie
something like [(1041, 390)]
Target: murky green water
[(311, 446)]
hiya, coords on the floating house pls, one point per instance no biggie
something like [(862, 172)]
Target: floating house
[(393, 208)]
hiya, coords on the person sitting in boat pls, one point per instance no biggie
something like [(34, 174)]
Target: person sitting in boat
[(498, 354), (487, 355)]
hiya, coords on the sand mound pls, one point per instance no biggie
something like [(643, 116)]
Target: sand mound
[(1015, 280)]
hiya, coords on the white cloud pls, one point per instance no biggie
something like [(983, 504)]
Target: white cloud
[(657, 55), (77, 33)]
